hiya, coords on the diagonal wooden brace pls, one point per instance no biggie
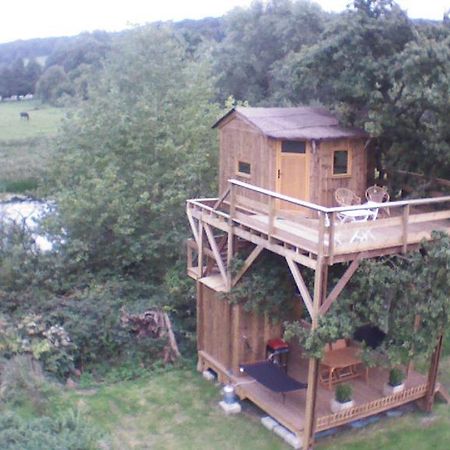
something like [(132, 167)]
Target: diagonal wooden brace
[(248, 262), (334, 294), (215, 250), (301, 285)]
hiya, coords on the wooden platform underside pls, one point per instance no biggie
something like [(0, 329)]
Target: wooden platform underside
[(290, 412)]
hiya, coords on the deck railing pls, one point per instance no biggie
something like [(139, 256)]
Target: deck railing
[(370, 408), (398, 214), (320, 230)]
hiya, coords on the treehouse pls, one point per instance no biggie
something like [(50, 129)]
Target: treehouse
[(299, 152), (280, 172)]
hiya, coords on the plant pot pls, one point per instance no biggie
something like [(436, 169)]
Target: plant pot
[(337, 406), (390, 390)]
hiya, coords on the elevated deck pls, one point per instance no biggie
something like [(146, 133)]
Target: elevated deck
[(302, 230)]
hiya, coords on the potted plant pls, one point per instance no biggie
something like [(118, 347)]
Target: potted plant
[(342, 398), (395, 383)]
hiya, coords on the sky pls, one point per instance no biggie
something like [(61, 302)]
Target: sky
[(27, 19)]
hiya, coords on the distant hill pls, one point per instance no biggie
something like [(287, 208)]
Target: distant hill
[(31, 48), (42, 48)]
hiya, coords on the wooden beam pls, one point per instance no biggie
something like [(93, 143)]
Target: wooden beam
[(221, 198), (192, 223), (334, 294), (432, 375), (200, 250), (313, 370), (247, 263), (301, 285), (405, 227), (331, 237), (218, 258)]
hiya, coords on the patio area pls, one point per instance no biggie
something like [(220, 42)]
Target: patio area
[(367, 395)]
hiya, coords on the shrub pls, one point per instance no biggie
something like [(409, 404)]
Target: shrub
[(396, 377), (343, 393), (68, 432), (23, 382)]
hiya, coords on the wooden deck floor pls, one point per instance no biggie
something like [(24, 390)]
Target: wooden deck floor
[(291, 411), (349, 238)]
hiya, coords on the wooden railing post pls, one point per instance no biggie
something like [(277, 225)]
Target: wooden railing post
[(271, 217), (405, 226), (331, 236), (200, 250)]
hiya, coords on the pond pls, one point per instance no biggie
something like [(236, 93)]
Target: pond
[(26, 211)]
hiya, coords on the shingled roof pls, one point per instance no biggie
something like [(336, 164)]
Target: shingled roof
[(294, 123)]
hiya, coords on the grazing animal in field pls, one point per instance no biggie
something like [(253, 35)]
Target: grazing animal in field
[(24, 115)]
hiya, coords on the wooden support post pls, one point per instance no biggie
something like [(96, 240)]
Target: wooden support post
[(200, 250), (410, 365), (230, 247), (235, 338), (200, 322), (313, 370), (230, 252), (432, 375), (405, 220)]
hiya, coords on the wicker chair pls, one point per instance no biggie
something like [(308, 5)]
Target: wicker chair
[(378, 194), (346, 197)]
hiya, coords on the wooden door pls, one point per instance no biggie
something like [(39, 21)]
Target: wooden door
[(293, 173)]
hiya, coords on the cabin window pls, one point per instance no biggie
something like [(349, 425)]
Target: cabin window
[(293, 147), (341, 162), (244, 168)]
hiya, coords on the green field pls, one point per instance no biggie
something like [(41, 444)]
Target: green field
[(44, 120), (25, 146)]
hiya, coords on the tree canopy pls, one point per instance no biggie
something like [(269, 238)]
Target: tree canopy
[(380, 71), (140, 146)]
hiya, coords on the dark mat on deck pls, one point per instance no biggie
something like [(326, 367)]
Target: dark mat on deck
[(272, 377)]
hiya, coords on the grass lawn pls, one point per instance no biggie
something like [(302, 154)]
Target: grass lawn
[(177, 409), (25, 146), (44, 120)]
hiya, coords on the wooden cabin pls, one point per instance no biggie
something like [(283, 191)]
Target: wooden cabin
[(279, 168), (300, 152)]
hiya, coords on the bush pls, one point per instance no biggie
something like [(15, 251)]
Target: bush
[(23, 382), (68, 432), (396, 377), (343, 393)]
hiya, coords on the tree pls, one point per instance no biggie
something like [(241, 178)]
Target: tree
[(52, 84), (139, 147), (385, 74), (257, 39), (33, 71)]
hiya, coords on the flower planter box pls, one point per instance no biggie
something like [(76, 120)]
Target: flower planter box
[(337, 406), (390, 390)]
